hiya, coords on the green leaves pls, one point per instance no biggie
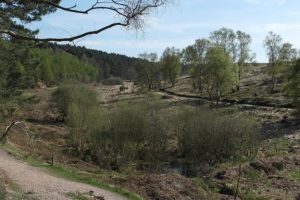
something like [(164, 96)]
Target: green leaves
[(292, 88), (170, 64)]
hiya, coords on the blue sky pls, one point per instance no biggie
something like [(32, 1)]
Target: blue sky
[(180, 23)]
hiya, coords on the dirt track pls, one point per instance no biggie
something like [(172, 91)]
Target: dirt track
[(43, 185)]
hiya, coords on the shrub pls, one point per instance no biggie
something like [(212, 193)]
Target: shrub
[(130, 133), (112, 81), (77, 103), (73, 93), (211, 137)]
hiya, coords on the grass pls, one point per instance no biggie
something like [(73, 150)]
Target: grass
[(277, 146), (3, 192), (77, 196), (17, 194), (251, 196), (296, 175), (72, 174)]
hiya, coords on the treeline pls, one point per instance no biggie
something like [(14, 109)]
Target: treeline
[(145, 135), (55, 66), (24, 65), (108, 64), (217, 64)]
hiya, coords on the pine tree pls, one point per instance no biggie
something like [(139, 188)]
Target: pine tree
[(46, 71)]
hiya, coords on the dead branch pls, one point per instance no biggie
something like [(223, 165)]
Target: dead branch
[(130, 11), (21, 125)]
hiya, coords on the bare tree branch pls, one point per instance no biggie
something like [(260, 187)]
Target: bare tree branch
[(69, 39), (130, 11), (18, 124), (95, 6)]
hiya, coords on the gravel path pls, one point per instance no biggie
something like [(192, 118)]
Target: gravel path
[(43, 185)]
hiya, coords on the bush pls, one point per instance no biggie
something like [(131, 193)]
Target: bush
[(136, 133), (70, 94), (77, 103), (3, 192), (129, 133), (212, 137), (112, 81), (7, 109)]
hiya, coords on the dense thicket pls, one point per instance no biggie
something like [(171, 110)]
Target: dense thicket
[(212, 137), (24, 65), (110, 64), (57, 65), (139, 133)]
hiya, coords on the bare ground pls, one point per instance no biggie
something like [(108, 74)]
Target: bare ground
[(44, 186)]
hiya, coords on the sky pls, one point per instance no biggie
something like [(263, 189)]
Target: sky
[(179, 24)]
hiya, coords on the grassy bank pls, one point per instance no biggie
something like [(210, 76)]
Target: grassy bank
[(71, 174)]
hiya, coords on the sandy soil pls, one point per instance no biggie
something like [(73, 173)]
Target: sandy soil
[(43, 185)]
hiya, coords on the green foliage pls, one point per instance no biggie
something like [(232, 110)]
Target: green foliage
[(72, 95), (171, 66), (249, 195), (296, 175), (214, 137), (46, 71), (243, 48), (218, 78), (22, 66), (293, 83), (75, 175), (225, 39), (57, 66), (235, 45), (272, 43), (77, 196), (7, 109), (14, 60), (112, 81), (3, 192), (136, 134), (113, 138), (194, 57), (148, 71), (15, 13), (108, 64), (130, 133)]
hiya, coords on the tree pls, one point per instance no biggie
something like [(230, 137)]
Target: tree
[(15, 13), (218, 73), (287, 53), (226, 39), (148, 72), (194, 56), (286, 59), (243, 46), (273, 44), (171, 65), (14, 63), (46, 71), (292, 86)]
